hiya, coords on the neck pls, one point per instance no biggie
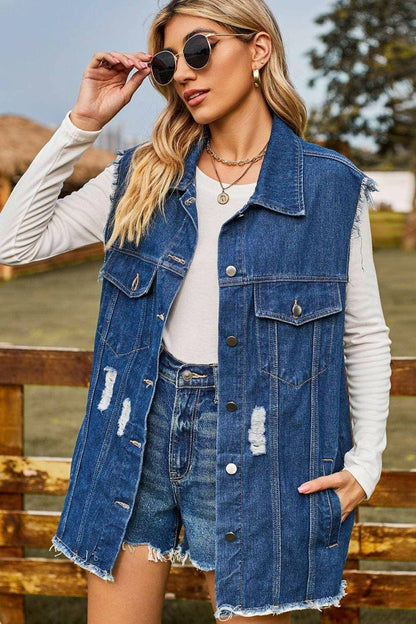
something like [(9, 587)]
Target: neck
[(242, 133)]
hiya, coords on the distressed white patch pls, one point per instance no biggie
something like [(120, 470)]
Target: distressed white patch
[(110, 378), (124, 417), (256, 435)]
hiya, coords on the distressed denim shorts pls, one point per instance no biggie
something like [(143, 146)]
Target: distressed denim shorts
[(177, 484)]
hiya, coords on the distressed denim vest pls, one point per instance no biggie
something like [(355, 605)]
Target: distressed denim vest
[(283, 411)]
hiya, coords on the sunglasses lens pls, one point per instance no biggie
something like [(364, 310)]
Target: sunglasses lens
[(163, 67), (197, 51)]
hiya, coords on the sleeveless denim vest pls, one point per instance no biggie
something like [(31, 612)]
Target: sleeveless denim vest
[(283, 411)]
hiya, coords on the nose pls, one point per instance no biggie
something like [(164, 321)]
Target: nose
[(183, 71)]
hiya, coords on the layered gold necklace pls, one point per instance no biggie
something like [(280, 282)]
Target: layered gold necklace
[(223, 197)]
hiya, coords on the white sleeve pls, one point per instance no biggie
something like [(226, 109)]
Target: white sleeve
[(34, 223), (367, 358)]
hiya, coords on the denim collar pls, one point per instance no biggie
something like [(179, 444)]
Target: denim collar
[(280, 183)]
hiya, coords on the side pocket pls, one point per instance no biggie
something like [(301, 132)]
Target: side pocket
[(332, 508)]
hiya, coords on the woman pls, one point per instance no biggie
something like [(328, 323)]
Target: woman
[(238, 274)]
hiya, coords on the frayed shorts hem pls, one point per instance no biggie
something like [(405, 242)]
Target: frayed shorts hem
[(175, 555), (62, 548), (225, 612)]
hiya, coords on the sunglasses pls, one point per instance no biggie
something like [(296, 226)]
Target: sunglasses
[(196, 51)]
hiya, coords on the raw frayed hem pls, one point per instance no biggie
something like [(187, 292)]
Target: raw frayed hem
[(62, 548), (174, 555), (225, 612)]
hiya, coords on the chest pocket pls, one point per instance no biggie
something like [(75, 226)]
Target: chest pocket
[(127, 303), (295, 327)]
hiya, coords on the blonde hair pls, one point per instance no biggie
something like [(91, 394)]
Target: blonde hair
[(157, 163)]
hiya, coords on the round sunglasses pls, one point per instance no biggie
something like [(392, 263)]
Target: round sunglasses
[(196, 51)]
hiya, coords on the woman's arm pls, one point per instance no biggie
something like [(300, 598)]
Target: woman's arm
[(34, 223), (367, 359), (367, 363)]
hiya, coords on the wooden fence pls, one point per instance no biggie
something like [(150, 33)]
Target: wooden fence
[(20, 366), (88, 252)]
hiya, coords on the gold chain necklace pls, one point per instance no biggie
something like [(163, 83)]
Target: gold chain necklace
[(235, 162), (223, 197)]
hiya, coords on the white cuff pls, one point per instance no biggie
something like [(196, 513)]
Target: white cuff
[(77, 134), (363, 479)]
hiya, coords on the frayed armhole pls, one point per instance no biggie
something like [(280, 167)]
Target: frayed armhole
[(367, 186), (116, 177), (114, 185)]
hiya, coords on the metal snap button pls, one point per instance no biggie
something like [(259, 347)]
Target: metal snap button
[(231, 406), (190, 200), (187, 375), (230, 536), (231, 341), (231, 270), (296, 309), (231, 468)]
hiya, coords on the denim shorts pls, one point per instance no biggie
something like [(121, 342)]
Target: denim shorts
[(177, 484)]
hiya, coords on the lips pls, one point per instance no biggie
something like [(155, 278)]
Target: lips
[(192, 92)]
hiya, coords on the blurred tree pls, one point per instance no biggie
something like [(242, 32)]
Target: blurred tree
[(369, 59)]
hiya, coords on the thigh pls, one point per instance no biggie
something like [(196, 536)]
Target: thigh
[(137, 594), (283, 618)]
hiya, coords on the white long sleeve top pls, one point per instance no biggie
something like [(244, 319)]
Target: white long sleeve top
[(35, 224)]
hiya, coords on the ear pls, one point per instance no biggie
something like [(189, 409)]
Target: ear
[(261, 49)]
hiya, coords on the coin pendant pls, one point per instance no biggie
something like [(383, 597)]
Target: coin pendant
[(223, 198)]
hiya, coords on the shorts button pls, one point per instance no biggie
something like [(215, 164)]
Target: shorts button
[(231, 468), (231, 406), (231, 341), (231, 270), (230, 536), (187, 375)]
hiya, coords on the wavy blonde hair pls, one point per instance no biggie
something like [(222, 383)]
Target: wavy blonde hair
[(157, 163)]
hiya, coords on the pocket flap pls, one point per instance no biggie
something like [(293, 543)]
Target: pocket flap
[(297, 302), (131, 274)]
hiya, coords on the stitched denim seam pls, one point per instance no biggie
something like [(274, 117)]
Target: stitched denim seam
[(350, 165), (191, 441), (267, 279)]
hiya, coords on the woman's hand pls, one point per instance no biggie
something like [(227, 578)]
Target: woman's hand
[(104, 88), (346, 485)]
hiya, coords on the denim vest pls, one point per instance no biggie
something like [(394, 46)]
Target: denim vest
[(283, 411)]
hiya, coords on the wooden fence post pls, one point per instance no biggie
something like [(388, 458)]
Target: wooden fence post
[(11, 443)]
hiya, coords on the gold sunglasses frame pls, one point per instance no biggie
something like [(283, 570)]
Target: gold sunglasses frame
[(175, 56)]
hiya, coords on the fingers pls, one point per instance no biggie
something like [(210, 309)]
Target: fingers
[(322, 483), (104, 59), (109, 60), (134, 83)]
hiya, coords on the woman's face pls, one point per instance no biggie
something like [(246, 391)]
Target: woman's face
[(228, 74)]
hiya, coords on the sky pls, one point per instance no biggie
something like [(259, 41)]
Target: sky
[(46, 45)]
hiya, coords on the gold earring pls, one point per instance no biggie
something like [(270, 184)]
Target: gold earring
[(256, 76)]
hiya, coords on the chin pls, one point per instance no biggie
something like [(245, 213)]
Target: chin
[(205, 117)]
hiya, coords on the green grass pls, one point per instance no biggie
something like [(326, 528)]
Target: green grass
[(387, 228), (59, 308)]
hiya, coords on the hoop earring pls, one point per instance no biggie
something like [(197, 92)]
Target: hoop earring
[(256, 76)]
